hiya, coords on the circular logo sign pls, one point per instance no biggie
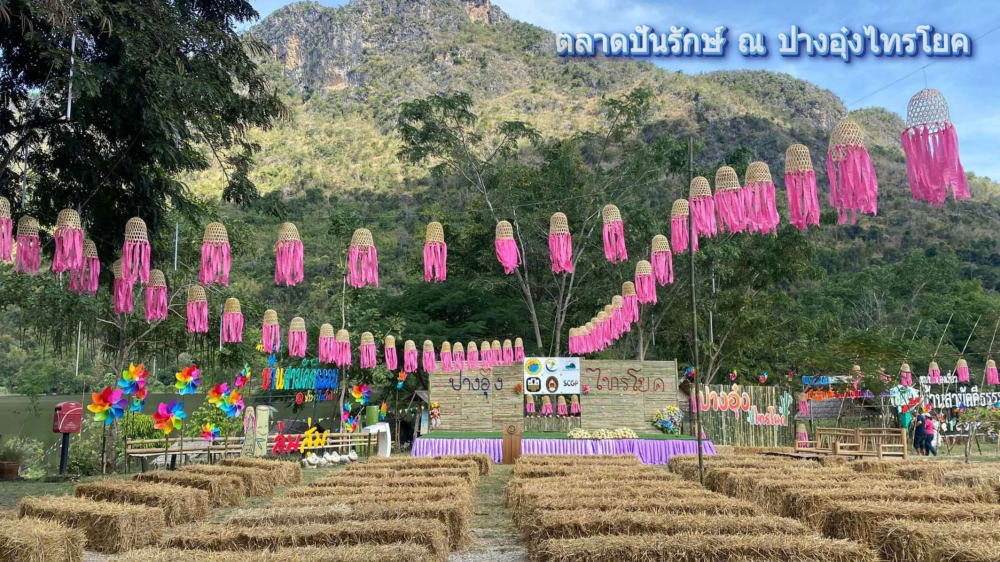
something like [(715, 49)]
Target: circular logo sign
[(551, 365), (533, 366)]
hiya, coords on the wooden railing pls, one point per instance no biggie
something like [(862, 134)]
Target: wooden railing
[(868, 442), (151, 448)]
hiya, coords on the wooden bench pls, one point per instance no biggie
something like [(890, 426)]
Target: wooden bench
[(151, 448), (869, 442)]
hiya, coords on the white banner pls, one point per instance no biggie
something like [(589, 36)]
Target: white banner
[(552, 375)]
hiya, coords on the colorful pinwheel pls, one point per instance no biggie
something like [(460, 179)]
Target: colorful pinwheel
[(243, 377), (351, 425), (361, 393), (188, 380), (402, 379), (169, 417), (209, 432), (232, 403), (346, 413), (133, 379), (763, 377), (108, 405), (218, 393), (138, 399), (382, 411)]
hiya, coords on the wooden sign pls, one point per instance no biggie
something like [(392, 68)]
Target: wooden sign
[(511, 443)]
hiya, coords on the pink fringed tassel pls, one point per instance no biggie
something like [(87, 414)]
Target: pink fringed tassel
[(645, 288), (215, 262), (85, 279), (472, 359), (934, 376), (486, 358), (363, 266), (932, 164), (546, 410), (410, 360), (992, 377), (508, 254), (803, 200), (6, 238), (631, 308), (761, 206), (288, 265), (703, 211), (123, 298), (135, 260), (390, 357), (457, 360), (962, 371), (906, 378), (663, 267), (853, 183), (803, 407), (271, 337), (729, 206), (614, 241), (518, 352), (435, 261), (342, 353), (561, 410), (197, 315), (561, 252), (68, 254), (232, 327), (446, 361), (296, 344), (156, 303), (529, 406), (508, 356), (327, 349), (680, 235), (368, 353), (29, 256), (428, 362), (574, 409)]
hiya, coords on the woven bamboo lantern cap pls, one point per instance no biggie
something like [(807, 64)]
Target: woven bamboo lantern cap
[(679, 208), (135, 230), (435, 232), (367, 338), (196, 293), (116, 268), (933, 366), (558, 224), (326, 331), (458, 348), (962, 362), (428, 345), (215, 233), (409, 345), (797, 158), (660, 244), (156, 278), (27, 226), (758, 172), (445, 347), (905, 368), (518, 342), (390, 342), (89, 248), (991, 364), (628, 288), (287, 231), (573, 332), (232, 306), (608, 311), (846, 133), (699, 188), (504, 231), (362, 237), (589, 327), (472, 347), (601, 317), (617, 301), (726, 179), (495, 345), (485, 346), (270, 317), (4, 208), (855, 369), (507, 344), (343, 335), (68, 218), (298, 324), (927, 107), (610, 214), (643, 268)]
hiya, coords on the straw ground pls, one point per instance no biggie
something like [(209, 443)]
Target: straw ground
[(395, 552)]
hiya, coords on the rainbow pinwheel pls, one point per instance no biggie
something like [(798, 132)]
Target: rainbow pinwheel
[(209, 432), (351, 425), (243, 377), (133, 379), (188, 380), (361, 393), (138, 399), (401, 380), (382, 411), (232, 403), (346, 413), (169, 417), (108, 405), (218, 393)]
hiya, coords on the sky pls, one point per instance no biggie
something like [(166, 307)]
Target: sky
[(971, 85)]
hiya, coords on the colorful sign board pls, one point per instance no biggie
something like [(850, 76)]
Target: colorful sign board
[(552, 375)]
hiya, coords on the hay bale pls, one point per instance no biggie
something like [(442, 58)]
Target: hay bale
[(517, 490), (709, 505), (342, 478), (484, 461), (394, 552), (701, 548), (979, 477), (649, 492), (810, 505), (429, 534), (349, 495), (916, 541), (589, 522), (400, 463), (930, 472), (36, 540), (223, 491), (870, 466), (258, 482), (109, 528), (574, 460), (550, 471), (469, 472), (832, 461), (287, 473), (179, 504), (860, 520)]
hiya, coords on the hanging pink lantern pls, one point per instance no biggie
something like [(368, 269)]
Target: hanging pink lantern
[(934, 373), (631, 302), (288, 256), (992, 377), (803, 404), (68, 236), (271, 332), (232, 321), (472, 356), (197, 308), (702, 207), (458, 356), (962, 370), (410, 356), (560, 244), (435, 253), (135, 254), (446, 360), (362, 260), (389, 351), (496, 354), (619, 321), (518, 349), (729, 201), (327, 344), (156, 296), (931, 147), (429, 364), (297, 337), (759, 199), (29, 255), (603, 330), (853, 183), (662, 260), (6, 231), (589, 338), (122, 289), (573, 343), (645, 284), (905, 375), (215, 256), (614, 234), (615, 328), (486, 355), (508, 352), (800, 182), (680, 234), (342, 349), (507, 252), (85, 279), (367, 351)]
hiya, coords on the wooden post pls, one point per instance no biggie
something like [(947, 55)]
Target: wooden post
[(511, 442), (906, 453)]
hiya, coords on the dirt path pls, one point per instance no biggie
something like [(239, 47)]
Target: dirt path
[(496, 539)]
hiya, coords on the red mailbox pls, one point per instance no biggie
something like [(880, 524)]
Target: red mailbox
[(67, 418)]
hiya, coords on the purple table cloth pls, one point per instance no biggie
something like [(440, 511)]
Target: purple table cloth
[(649, 451)]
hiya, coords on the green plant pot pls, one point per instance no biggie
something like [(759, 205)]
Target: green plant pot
[(9, 470)]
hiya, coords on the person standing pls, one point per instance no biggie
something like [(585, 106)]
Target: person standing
[(929, 437), (919, 435)]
